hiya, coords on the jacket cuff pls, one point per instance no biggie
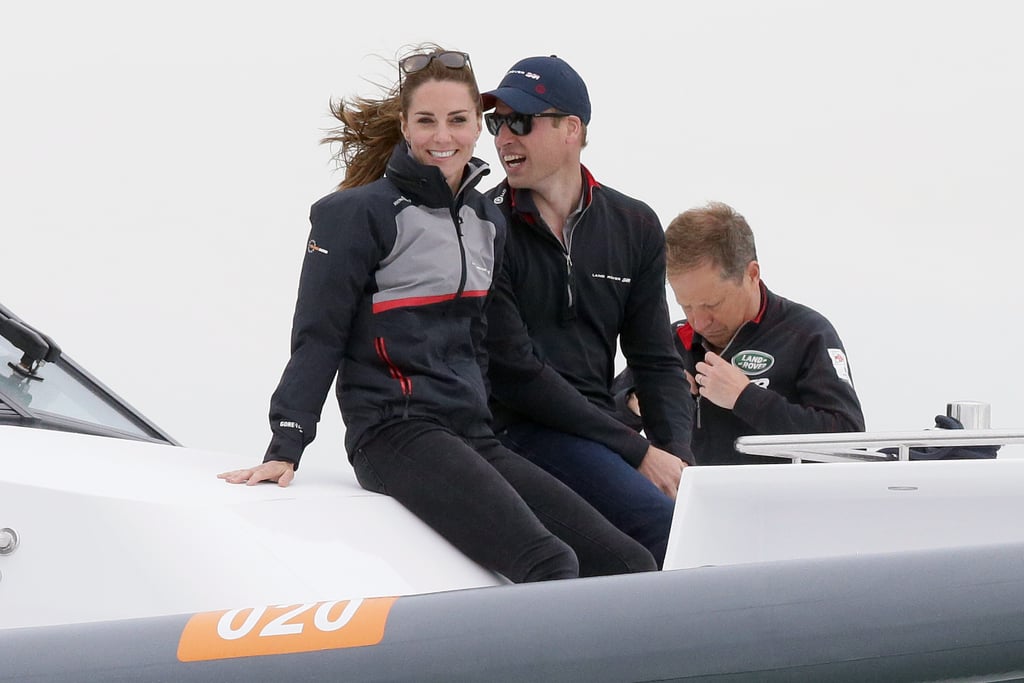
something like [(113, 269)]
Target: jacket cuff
[(683, 452), (284, 450), (634, 449)]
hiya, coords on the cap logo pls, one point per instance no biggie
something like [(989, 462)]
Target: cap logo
[(540, 89), (527, 74)]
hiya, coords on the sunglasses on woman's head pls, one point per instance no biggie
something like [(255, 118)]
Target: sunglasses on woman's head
[(414, 63), (452, 60), (519, 124)]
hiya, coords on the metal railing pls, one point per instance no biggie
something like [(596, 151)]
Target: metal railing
[(860, 446)]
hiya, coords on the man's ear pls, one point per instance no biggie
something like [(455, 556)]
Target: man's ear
[(575, 126), (754, 271)]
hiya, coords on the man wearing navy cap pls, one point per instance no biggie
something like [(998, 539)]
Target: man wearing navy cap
[(583, 273)]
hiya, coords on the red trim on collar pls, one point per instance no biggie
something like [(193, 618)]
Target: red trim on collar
[(512, 203), (764, 303), (685, 334), (589, 183), (524, 216)]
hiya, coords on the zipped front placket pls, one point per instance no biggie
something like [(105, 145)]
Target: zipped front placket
[(722, 354), (463, 273), (567, 249), (453, 210)]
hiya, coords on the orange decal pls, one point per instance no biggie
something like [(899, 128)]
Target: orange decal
[(284, 629)]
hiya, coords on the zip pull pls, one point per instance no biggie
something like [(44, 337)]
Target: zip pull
[(568, 279)]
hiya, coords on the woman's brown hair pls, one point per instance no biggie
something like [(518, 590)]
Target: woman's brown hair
[(370, 128)]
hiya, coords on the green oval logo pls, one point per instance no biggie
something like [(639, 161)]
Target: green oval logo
[(753, 362)]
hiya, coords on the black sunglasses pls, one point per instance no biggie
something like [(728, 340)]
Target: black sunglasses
[(519, 124)]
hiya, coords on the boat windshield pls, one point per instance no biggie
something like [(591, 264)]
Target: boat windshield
[(40, 387)]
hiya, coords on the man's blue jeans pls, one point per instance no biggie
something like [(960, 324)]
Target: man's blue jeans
[(624, 496)]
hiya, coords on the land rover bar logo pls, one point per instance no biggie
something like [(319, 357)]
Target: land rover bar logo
[(753, 362)]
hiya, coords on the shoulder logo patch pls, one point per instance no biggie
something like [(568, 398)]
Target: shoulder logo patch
[(841, 365), (753, 362)]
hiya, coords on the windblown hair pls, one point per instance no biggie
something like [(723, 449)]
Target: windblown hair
[(714, 232), (370, 128)]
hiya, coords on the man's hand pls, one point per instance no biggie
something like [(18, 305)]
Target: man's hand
[(694, 389), (719, 381), (663, 469), (275, 470)]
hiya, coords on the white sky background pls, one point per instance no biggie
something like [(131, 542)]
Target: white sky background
[(157, 164)]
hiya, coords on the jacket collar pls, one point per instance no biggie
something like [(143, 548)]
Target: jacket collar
[(521, 201), (426, 184)]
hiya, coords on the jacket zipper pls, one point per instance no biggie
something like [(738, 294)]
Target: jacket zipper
[(457, 221), (722, 354), (568, 278), (380, 345), (568, 259)]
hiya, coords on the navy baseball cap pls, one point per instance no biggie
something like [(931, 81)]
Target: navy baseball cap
[(536, 84)]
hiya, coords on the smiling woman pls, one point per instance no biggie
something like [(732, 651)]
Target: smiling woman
[(443, 128), (399, 264)]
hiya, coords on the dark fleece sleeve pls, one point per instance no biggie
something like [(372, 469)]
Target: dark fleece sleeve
[(647, 343), (622, 387), (331, 286)]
